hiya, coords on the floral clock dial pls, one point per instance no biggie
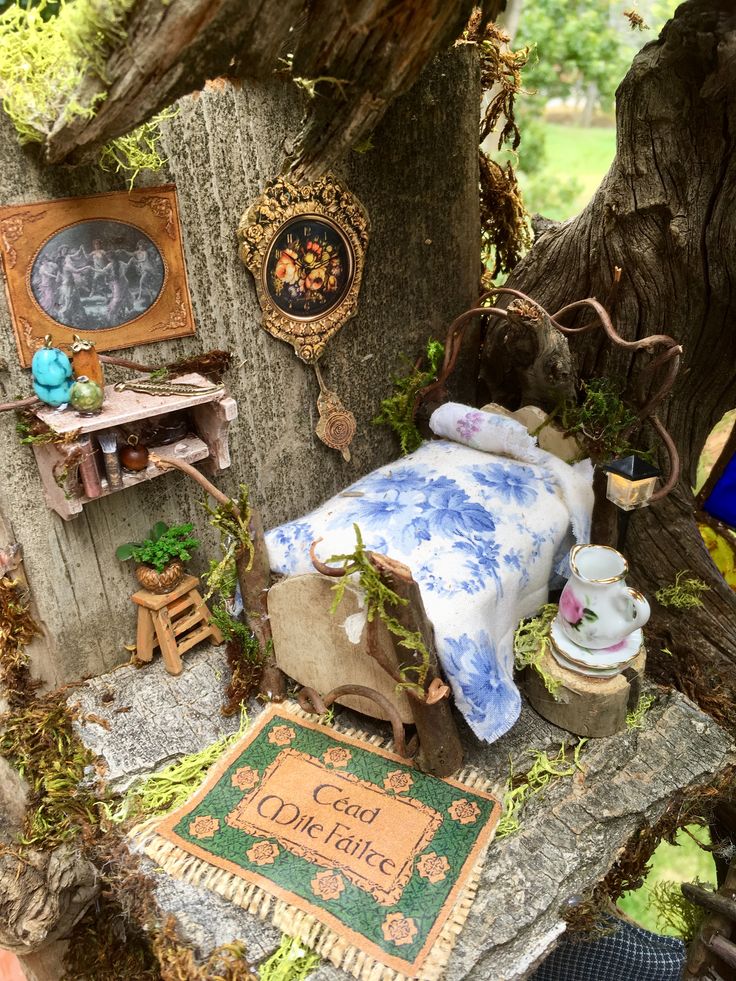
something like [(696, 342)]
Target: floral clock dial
[(309, 268), (305, 245)]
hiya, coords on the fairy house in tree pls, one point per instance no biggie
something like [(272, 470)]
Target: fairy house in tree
[(379, 102)]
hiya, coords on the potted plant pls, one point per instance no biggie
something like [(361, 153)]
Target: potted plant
[(161, 556)]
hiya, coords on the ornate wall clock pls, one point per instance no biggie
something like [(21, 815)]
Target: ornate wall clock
[(305, 245)]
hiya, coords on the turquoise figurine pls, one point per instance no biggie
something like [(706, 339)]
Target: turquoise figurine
[(52, 374)]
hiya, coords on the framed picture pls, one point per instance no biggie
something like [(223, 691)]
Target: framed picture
[(305, 245), (109, 267)]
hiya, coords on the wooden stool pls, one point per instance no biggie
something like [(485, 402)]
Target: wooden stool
[(174, 621)]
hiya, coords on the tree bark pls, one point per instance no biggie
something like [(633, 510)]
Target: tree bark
[(353, 58), (664, 214)]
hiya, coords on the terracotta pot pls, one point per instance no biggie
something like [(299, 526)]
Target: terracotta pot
[(160, 582)]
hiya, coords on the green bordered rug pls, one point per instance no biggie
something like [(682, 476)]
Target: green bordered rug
[(370, 862)]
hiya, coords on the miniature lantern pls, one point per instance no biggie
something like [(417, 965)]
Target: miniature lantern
[(631, 482)]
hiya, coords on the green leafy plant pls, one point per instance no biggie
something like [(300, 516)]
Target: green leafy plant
[(163, 545), (397, 411)]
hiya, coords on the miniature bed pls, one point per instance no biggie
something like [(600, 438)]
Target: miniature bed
[(482, 517)]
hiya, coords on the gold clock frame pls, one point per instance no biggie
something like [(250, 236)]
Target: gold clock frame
[(281, 202)]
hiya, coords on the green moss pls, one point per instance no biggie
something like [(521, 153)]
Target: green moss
[(530, 643), (166, 790), (232, 521), (138, 150), (397, 411), (601, 422), (635, 718), (676, 914), (542, 772), (47, 53), (683, 593), (291, 962), (378, 596)]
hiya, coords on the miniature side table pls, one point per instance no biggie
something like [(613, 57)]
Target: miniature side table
[(586, 706), (174, 621)]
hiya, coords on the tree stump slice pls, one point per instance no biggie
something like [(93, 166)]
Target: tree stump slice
[(586, 706)]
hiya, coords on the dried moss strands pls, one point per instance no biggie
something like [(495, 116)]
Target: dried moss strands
[(397, 411), (542, 772), (379, 596), (530, 644), (232, 521), (290, 962), (138, 150), (44, 55), (683, 593), (17, 629), (602, 422)]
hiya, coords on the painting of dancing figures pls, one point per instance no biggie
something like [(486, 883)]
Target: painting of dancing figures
[(97, 274)]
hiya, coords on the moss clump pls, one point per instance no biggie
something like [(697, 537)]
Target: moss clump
[(683, 593), (378, 596), (40, 742), (601, 422), (635, 718), (530, 644), (138, 150), (397, 411), (47, 54), (232, 521), (291, 962), (542, 772)]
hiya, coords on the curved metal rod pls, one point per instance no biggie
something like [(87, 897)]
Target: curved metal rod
[(311, 701), (320, 566), (674, 456), (453, 345)]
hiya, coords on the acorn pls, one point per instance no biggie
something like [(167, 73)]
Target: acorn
[(86, 361), (134, 456)]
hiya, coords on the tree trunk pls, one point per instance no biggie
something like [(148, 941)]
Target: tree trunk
[(664, 214)]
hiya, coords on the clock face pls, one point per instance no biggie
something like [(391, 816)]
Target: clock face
[(309, 267)]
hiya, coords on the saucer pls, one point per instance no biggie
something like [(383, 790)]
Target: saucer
[(604, 662)]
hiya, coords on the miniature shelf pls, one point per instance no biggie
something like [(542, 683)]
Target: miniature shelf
[(58, 462)]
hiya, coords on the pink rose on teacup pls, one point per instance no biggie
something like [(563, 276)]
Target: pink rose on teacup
[(571, 607)]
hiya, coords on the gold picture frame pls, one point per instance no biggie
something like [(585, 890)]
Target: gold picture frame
[(305, 246), (109, 267)]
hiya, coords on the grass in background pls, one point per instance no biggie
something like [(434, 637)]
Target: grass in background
[(576, 160), (683, 862)]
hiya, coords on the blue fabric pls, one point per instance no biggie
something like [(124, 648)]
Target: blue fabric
[(721, 502), (481, 532), (629, 954)]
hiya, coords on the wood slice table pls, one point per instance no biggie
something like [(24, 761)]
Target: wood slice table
[(584, 705), (570, 834)]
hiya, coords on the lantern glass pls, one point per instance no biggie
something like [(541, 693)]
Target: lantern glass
[(629, 494)]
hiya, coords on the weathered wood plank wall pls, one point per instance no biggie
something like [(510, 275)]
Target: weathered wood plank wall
[(419, 184)]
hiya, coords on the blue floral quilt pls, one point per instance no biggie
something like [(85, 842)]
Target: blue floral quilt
[(483, 518)]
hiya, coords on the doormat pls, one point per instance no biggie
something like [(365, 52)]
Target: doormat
[(370, 862)]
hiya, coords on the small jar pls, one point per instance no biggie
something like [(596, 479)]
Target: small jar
[(86, 396), (86, 361), (134, 456)]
